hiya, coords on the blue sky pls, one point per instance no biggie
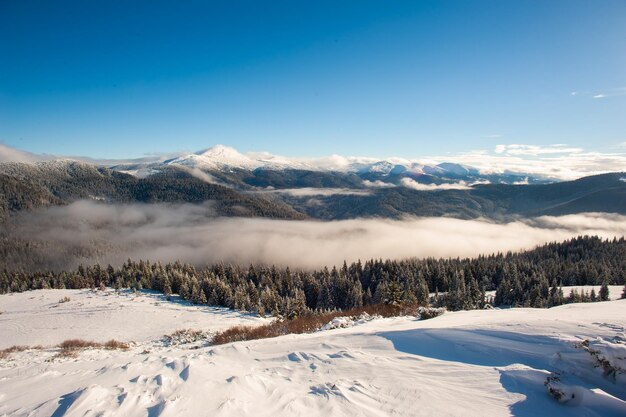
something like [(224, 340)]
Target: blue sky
[(372, 78)]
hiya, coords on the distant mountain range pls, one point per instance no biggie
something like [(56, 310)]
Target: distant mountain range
[(222, 158), (262, 185)]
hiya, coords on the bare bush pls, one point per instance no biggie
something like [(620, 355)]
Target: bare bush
[(306, 324), (609, 369), (6, 353), (75, 344), (186, 336), (116, 345)]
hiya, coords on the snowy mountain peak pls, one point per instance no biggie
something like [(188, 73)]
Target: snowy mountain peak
[(221, 151), (217, 157)]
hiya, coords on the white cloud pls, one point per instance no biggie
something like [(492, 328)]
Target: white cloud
[(378, 184), (8, 154), (557, 166), (611, 92), (201, 175), (410, 183), (312, 192), (534, 150)]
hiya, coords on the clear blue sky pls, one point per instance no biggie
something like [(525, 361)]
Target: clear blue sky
[(380, 78)]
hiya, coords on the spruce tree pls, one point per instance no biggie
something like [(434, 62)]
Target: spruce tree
[(604, 292)]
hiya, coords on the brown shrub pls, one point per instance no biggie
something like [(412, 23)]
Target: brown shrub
[(65, 299), (16, 348), (116, 344), (306, 324), (74, 344), (67, 353), (6, 353)]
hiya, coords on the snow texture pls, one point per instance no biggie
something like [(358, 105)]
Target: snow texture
[(496, 362)]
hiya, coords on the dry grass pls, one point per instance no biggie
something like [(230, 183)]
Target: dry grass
[(6, 353), (75, 344), (64, 300), (305, 324), (71, 348), (16, 348), (67, 354), (116, 345)]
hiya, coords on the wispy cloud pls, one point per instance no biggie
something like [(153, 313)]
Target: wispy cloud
[(8, 154), (610, 92), (535, 150), (410, 183), (313, 192), (378, 184)]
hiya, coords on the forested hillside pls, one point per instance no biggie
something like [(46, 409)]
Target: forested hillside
[(28, 186), (273, 193), (532, 278)]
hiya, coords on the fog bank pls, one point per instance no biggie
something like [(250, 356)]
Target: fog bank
[(191, 233)]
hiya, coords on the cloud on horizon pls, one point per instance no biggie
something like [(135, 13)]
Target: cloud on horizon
[(556, 162), (8, 154)]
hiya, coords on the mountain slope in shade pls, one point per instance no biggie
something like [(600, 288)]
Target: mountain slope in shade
[(601, 193), (28, 186), (296, 194)]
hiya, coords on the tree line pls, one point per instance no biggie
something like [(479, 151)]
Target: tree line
[(531, 279)]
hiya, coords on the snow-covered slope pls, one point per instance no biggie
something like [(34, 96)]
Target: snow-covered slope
[(216, 157), (38, 318), (471, 363)]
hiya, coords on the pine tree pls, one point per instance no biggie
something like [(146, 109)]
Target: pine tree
[(604, 292)]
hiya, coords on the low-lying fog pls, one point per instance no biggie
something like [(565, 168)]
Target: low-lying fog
[(191, 233)]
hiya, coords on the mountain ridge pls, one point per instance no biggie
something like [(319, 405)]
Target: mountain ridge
[(298, 194)]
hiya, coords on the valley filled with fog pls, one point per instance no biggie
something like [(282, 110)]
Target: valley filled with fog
[(93, 232)]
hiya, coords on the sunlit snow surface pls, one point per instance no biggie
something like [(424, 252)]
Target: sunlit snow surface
[(472, 363)]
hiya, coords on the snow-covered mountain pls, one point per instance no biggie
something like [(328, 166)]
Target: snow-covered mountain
[(391, 171), (221, 157)]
